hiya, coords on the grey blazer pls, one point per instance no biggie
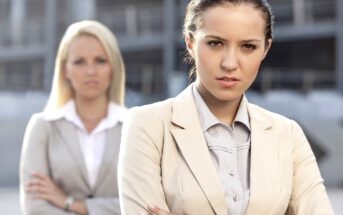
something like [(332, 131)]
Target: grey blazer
[(52, 148)]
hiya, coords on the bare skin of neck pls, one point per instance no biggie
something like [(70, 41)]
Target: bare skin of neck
[(225, 111), (91, 111)]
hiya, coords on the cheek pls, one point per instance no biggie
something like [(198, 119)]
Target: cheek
[(73, 77), (252, 64), (108, 74), (66, 72), (205, 60), (107, 77), (70, 71)]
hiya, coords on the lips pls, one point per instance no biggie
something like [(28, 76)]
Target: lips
[(228, 79), (91, 82), (227, 82)]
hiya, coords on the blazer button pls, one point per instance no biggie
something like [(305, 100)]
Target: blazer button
[(90, 196)]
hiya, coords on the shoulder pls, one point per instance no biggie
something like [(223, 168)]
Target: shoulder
[(147, 122), (43, 121), (145, 126), (255, 109), (37, 130), (151, 112), (38, 120), (275, 120)]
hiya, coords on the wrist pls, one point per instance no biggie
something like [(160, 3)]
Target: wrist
[(67, 203), (79, 207)]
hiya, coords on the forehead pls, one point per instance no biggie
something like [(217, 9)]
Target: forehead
[(243, 20), (85, 43)]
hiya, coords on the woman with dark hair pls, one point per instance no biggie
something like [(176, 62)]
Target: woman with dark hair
[(210, 151)]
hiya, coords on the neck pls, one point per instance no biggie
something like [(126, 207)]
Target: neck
[(91, 111), (224, 111)]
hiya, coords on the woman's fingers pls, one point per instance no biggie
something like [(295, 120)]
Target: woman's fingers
[(35, 189), (36, 186), (40, 184), (153, 210), (39, 196), (39, 175), (43, 180), (42, 187)]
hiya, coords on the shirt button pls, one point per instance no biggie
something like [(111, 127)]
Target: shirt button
[(235, 198), (231, 173)]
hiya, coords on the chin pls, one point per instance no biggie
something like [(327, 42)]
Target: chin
[(91, 96), (227, 96)]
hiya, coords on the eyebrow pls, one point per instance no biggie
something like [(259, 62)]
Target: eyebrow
[(215, 37), (251, 41), (243, 41)]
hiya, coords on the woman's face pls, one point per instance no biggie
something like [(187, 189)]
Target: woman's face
[(88, 68), (228, 49)]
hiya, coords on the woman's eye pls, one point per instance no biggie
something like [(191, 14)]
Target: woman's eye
[(214, 43), (78, 61), (101, 60), (249, 46)]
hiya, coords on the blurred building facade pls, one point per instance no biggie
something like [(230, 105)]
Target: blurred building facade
[(306, 57)]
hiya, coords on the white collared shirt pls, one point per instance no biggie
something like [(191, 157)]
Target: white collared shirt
[(92, 144)]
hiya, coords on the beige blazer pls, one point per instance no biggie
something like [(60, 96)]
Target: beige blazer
[(164, 161), (52, 148)]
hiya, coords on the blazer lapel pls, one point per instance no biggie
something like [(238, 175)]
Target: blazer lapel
[(264, 162), (189, 137), (110, 153), (68, 134)]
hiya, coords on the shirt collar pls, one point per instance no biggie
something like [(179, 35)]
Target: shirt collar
[(115, 114), (206, 117)]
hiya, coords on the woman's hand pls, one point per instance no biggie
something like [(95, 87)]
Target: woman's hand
[(153, 210), (42, 187)]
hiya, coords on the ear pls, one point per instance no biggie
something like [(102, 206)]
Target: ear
[(267, 48), (190, 45)]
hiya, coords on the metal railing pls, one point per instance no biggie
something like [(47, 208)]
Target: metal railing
[(308, 11), (301, 80)]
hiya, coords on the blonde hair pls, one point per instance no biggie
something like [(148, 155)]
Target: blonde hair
[(61, 90)]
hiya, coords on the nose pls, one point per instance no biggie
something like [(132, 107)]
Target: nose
[(229, 60), (90, 69)]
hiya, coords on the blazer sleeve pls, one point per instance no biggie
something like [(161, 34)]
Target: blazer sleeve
[(103, 206), (308, 193), (139, 170), (34, 158)]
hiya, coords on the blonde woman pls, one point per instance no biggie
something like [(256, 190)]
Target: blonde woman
[(70, 150)]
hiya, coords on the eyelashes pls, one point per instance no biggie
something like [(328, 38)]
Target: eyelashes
[(216, 44), (78, 61), (98, 60), (101, 60), (249, 46)]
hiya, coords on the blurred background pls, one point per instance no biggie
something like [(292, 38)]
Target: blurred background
[(302, 77)]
